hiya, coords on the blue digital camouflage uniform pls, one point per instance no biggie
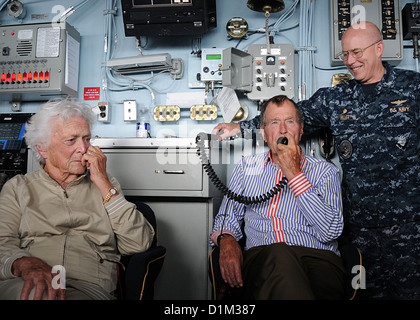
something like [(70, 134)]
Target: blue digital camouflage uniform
[(378, 142)]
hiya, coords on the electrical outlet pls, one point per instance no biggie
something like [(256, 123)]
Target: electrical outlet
[(130, 110), (203, 112), (167, 113), (103, 115)]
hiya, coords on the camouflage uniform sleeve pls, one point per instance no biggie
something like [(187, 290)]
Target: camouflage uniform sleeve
[(250, 125), (315, 109)]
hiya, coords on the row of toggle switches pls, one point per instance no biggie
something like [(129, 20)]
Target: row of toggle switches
[(25, 77)]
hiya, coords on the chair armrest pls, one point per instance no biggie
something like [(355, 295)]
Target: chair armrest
[(141, 272), (351, 257), (221, 290)]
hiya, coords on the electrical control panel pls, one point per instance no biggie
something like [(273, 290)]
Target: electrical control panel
[(262, 72), (211, 64), (38, 61), (411, 20), (13, 150), (384, 13), (168, 17), (273, 71)]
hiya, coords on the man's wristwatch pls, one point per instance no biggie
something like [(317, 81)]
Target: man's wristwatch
[(111, 192), (220, 236)]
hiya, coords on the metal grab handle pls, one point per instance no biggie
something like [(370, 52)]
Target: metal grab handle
[(173, 171)]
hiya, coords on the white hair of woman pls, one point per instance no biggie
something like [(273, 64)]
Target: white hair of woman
[(39, 130)]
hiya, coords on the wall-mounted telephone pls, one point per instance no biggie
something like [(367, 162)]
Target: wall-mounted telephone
[(199, 140)]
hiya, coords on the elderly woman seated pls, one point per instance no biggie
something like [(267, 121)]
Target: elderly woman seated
[(63, 228)]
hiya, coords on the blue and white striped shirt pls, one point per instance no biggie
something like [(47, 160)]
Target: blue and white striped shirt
[(307, 212)]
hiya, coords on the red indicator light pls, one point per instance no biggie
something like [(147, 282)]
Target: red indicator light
[(24, 77), (41, 76), (13, 76), (8, 77), (47, 76), (3, 77), (19, 77), (30, 76), (35, 76)]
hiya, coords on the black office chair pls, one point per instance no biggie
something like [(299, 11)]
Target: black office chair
[(136, 279), (351, 257), (220, 289), (350, 254)]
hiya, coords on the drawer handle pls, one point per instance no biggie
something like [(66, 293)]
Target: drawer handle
[(173, 171)]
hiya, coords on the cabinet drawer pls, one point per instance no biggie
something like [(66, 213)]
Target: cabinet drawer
[(144, 171)]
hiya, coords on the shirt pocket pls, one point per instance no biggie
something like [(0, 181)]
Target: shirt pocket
[(400, 135), (106, 264)]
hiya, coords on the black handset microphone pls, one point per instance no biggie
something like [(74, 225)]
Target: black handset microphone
[(199, 140), (282, 140)]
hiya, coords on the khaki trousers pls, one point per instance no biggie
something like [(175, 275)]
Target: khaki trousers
[(75, 290)]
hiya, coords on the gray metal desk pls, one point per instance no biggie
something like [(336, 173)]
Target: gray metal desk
[(168, 175)]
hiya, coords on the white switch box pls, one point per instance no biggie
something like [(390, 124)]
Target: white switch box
[(103, 112), (130, 110)]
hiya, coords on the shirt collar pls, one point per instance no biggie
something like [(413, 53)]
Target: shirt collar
[(388, 77), (76, 181), (354, 86)]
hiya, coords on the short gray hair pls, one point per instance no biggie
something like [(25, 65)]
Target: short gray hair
[(38, 128), (278, 100)]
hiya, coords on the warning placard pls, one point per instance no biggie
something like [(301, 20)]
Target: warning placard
[(91, 93)]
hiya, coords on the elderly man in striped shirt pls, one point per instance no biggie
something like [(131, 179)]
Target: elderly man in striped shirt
[(291, 239)]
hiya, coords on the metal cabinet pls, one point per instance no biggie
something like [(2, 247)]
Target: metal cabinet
[(167, 175)]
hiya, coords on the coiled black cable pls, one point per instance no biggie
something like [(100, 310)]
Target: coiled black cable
[(199, 140)]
